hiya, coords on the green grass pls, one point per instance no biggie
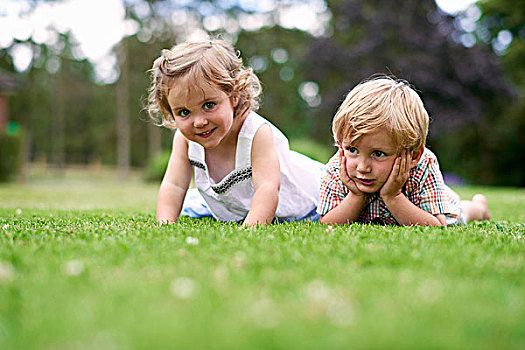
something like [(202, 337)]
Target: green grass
[(83, 266)]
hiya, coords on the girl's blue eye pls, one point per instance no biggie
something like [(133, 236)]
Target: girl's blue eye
[(209, 105), (183, 113), (351, 149)]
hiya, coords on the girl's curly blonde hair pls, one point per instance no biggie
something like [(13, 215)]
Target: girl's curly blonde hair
[(212, 62), (383, 102)]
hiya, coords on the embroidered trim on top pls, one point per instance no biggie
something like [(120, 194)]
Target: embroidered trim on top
[(234, 178), (197, 164)]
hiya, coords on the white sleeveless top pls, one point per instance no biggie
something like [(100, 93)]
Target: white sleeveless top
[(230, 199)]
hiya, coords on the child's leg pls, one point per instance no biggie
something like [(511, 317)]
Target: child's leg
[(476, 209)]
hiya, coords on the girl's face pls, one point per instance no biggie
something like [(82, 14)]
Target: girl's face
[(369, 160), (203, 114)]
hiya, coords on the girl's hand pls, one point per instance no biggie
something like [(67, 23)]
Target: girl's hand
[(161, 223), (345, 178), (245, 226), (398, 176)]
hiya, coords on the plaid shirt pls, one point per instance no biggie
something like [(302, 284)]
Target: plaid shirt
[(425, 188)]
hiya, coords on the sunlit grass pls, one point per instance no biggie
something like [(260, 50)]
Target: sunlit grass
[(83, 265)]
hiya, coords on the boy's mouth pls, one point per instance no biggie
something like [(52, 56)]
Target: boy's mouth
[(206, 133), (365, 182)]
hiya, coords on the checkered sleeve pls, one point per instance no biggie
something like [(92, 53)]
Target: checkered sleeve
[(433, 195), (333, 191)]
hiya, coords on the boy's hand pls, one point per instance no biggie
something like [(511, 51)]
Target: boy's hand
[(398, 176), (345, 178)]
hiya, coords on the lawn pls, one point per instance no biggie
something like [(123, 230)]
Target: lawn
[(83, 266)]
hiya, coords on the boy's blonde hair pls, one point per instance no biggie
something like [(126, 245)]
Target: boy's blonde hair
[(383, 102), (211, 62)]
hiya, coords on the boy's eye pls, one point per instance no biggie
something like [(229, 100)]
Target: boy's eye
[(183, 113), (209, 105), (379, 154)]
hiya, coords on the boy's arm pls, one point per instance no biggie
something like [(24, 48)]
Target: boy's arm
[(350, 208), (266, 176), (404, 211), (175, 182), (346, 212), (407, 213)]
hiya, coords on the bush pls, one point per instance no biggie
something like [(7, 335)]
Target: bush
[(10, 148), (312, 149), (156, 167)]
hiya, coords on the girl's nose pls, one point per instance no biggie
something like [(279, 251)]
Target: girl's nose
[(199, 121)]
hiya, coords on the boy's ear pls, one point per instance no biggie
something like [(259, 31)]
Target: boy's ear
[(416, 156)]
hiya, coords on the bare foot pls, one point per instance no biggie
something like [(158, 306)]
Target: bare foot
[(477, 209), (481, 201)]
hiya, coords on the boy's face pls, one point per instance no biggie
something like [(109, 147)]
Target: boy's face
[(369, 160)]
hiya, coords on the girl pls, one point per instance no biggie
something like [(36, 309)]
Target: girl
[(242, 165)]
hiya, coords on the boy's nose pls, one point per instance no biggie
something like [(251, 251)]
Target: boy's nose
[(363, 166)]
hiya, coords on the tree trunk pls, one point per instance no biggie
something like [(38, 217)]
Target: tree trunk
[(123, 124), (154, 140), (59, 124)]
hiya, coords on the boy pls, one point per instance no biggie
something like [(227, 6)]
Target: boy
[(383, 173)]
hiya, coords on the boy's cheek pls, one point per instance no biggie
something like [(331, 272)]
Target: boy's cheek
[(349, 166)]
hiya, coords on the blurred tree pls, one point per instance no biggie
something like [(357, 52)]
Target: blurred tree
[(146, 138), (70, 117), (504, 21), (410, 39), (304, 77), (56, 101), (123, 111), (413, 40), (502, 27), (155, 32), (277, 56)]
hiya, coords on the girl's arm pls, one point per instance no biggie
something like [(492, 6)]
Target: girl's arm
[(404, 211), (175, 182), (349, 209), (266, 176)]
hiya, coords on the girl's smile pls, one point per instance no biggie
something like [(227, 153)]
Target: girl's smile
[(206, 134)]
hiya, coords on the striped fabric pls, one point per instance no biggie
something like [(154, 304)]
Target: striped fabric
[(425, 188)]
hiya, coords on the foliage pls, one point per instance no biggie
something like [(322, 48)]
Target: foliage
[(312, 149), (281, 79), (10, 156), (463, 88), (412, 40), (506, 15), (89, 272), (488, 152), (506, 128), (65, 106), (156, 168)]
